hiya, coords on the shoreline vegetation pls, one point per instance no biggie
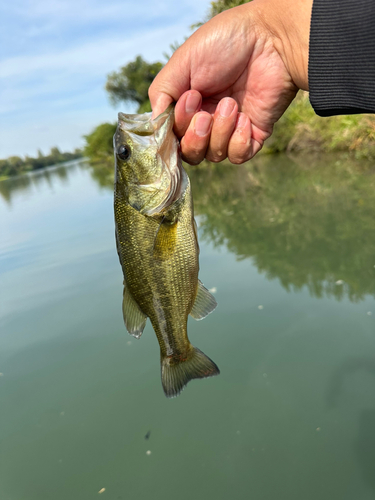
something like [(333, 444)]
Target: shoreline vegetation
[(299, 130), (15, 165)]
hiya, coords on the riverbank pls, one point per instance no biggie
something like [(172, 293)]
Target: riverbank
[(15, 165), (300, 129)]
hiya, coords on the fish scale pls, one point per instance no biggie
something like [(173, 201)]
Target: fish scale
[(157, 245)]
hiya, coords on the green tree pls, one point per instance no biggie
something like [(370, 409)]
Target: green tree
[(221, 5), (55, 155), (218, 7), (131, 83), (99, 144), (99, 150)]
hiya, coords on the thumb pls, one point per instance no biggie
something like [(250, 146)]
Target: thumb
[(170, 83), (159, 103)]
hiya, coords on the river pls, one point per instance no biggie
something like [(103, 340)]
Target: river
[(288, 246)]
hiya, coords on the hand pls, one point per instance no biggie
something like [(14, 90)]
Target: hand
[(234, 78)]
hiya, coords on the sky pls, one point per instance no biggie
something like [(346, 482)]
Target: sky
[(55, 56)]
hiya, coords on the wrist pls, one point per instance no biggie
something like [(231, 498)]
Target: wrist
[(288, 22)]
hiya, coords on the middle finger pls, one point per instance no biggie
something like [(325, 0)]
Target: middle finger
[(224, 123)]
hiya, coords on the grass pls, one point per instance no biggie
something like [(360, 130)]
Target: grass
[(300, 129)]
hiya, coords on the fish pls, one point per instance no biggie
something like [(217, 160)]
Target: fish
[(157, 244)]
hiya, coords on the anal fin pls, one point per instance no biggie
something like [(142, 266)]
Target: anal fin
[(134, 319), (204, 303)]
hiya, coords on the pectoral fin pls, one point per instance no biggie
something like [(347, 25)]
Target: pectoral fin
[(204, 303), (165, 240), (134, 318)]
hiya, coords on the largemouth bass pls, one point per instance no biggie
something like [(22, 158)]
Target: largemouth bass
[(157, 244)]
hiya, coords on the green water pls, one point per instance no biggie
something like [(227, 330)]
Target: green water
[(290, 247)]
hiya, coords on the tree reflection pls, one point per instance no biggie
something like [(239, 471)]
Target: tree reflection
[(305, 221), (26, 182)]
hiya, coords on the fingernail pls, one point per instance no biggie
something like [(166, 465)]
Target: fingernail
[(202, 124), (193, 102), (226, 107)]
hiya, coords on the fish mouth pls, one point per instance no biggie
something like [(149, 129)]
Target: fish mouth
[(142, 124), (157, 132)]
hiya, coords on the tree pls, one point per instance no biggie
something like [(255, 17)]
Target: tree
[(218, 7), (221, 5), (99, 144), (131, 83)]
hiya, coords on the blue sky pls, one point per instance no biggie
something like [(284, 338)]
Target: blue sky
[(55, 56)]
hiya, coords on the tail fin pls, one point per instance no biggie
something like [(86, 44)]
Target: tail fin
[(176, 373)]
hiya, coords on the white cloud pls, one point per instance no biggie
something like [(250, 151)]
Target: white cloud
[(52, 92), (96, 55)]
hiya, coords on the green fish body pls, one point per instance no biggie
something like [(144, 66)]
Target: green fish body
[(157, 245)]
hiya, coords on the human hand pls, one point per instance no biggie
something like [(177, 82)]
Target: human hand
[(234, 78)]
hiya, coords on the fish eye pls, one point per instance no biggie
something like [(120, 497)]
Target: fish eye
[(124, 152)]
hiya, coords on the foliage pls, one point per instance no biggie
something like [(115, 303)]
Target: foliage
[(99, 144), (300, 129), (218, 7), (15, 165), (99, 151), (131, 83)]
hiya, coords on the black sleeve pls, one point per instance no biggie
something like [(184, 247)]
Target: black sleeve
[(342, 57)]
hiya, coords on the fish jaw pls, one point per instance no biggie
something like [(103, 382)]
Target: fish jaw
[(150, 177)]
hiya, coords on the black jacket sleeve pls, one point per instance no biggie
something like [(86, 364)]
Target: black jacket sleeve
[(342, 57)]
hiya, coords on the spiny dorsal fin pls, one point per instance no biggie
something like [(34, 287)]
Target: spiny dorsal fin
[(165, 240), (134, 318), (204, 303)]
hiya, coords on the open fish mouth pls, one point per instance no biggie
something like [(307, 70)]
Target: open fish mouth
[(142, 124), (157, 133)]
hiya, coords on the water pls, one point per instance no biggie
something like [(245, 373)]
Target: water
[(290, 247)]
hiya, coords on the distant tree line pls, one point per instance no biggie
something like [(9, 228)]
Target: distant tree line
[(15, 165)]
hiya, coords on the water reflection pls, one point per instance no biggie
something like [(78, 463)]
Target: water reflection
[(306, 222), (303, 221), (293, 410), (25, 183)]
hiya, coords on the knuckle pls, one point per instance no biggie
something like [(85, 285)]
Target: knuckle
[(193, 157), (215, 158), (240, 157), (216, 155), (237, 161)]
